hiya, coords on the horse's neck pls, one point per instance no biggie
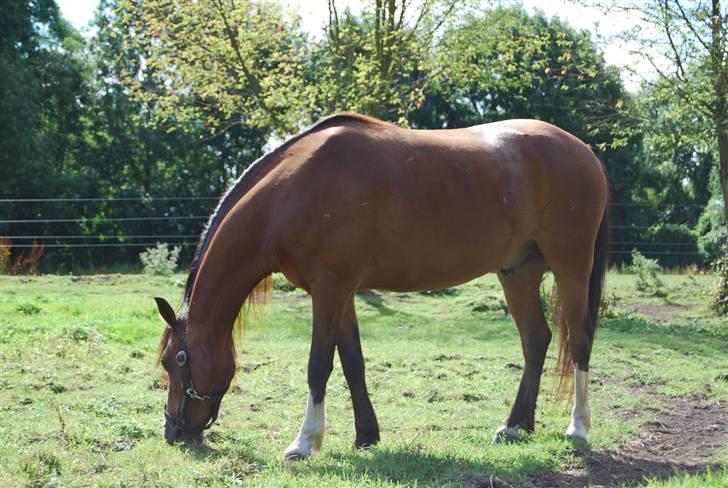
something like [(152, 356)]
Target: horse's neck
[(233, 264)]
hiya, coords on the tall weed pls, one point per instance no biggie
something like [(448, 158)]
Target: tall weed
[(160, 260), (648, 274)]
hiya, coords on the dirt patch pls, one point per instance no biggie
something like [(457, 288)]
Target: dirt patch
[(660, 312), (684, 436)]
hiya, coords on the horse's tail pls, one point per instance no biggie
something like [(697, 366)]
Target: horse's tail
[(565, 363)]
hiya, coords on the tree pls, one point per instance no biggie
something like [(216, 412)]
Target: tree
[(218, 64), (43, 88), (127, 155), (686, 44), (378, 62), (42, 83)]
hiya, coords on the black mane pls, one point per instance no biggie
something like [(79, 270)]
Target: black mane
[(242, 185)]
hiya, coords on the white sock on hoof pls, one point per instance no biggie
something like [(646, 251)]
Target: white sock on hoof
[(580, 416), (311, 435), (506, 434)]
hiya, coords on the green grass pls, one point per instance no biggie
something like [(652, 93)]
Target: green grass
[(81, 400)]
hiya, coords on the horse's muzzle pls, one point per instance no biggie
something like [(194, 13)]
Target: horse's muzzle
[(172, 434)]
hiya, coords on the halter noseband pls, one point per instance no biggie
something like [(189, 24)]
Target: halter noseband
[(190, 393)]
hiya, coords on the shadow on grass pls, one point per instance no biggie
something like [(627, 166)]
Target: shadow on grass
[(612, 467), (584, 467), (376, 301), (411, 466)]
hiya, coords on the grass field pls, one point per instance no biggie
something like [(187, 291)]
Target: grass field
[(81, 399)]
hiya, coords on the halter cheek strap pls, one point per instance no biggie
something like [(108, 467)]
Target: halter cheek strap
[(190, 393)]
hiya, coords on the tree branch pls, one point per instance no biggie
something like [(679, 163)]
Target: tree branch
[(708, 110), (692, 28), (680, 71), (400, 22), (334, 24), (254, 82)]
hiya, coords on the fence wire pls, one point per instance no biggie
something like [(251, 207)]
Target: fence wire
[(60, 241)]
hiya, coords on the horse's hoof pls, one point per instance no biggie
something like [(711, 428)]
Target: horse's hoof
[(297, 453), (507, 435), (574, 433), (366, 441)]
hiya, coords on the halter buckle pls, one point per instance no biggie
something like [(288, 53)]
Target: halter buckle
[(192, 393)]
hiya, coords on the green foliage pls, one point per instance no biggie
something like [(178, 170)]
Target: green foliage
[(282, 284), (505, 62), (42, 468), (691, 86), (712, 230), (377, 63), (28, 308), (648, 274), (720, 293), (160, 260), (222, 64), (662, 238)]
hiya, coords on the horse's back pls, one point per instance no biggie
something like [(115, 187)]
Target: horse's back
[(421, 209)]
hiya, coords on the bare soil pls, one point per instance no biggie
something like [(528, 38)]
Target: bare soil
[(661, 312), (687, 434)]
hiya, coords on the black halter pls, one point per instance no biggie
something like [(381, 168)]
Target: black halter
[(189, 392)]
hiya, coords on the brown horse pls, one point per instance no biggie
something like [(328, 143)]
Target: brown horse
[(354, 203)]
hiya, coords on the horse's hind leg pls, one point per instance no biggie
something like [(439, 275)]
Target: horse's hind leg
[(572, 274), (329, 308), (352, 362), (574, 294), (521, 286)]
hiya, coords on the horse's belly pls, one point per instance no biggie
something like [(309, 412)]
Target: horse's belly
[(439, 244)]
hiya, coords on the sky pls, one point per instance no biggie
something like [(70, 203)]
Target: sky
[(314, 14)]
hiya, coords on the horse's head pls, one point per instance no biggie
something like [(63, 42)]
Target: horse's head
[(199, 375)]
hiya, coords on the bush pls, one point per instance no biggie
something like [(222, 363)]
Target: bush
[(711, 230), (160, 260), (281, 283), (647, 271), (720, 296), (673, 245)]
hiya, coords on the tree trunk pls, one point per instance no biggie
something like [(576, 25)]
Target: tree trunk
[(723, 157), (719, 67)]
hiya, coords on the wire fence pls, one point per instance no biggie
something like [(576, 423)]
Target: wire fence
[(144, 240)]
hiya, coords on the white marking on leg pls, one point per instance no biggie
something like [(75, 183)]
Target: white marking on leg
[(580, 416), (311, 435)]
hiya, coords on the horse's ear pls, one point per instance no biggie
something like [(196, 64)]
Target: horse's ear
[(166, 312)]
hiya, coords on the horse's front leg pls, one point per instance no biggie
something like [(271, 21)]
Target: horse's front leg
[(352, 362), (329, 305)]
